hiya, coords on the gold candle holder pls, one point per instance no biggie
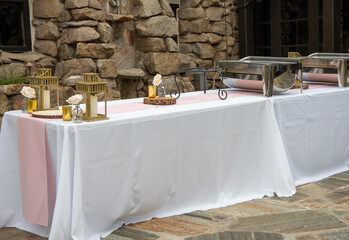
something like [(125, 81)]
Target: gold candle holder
[(90, 86), (43, 80), (32, 106), (151, 91), (67, 113)]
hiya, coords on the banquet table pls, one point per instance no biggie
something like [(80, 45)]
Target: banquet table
[(142, 163)]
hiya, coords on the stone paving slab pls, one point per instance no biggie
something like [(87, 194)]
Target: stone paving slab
[(318, 211)]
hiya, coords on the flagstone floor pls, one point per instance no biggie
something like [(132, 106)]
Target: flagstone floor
[(318, 211)]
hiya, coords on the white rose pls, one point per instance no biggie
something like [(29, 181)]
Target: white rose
[(28, 92), (157, 80), (76, 99)]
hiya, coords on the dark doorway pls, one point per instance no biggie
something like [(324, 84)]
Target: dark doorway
[(276, 27), (15, 26)]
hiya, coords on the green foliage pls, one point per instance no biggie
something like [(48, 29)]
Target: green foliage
[(9, 77)]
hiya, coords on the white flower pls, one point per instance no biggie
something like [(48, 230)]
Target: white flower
[(28, 92), (157, 80), (75, 99)]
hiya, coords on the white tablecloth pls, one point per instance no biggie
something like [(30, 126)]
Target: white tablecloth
[(151, 163), (315, 131)]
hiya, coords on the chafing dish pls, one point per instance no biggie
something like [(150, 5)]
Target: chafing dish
[(267, 74), (326, 67)]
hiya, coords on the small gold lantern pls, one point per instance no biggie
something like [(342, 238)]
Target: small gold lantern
[(43, 79), (90, 86)]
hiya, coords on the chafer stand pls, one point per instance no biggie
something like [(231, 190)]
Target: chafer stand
[(337, 61), (197, 70), (271, 70)]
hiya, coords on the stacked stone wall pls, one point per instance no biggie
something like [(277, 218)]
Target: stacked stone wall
[(128, 44), (208, 33)]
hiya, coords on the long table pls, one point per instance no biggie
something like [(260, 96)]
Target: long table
[(159, 162)]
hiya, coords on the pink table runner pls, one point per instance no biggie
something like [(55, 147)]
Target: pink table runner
[(36, 172), (136, 106)]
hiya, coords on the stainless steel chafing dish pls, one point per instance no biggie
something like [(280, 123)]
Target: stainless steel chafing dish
[(267, 74), (333, 68)]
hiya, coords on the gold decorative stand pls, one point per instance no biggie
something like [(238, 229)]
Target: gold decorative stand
[(43, 79), (91, 86), (160, 101)]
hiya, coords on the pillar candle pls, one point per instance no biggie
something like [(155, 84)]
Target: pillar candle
[(46, 99), (93, 106)]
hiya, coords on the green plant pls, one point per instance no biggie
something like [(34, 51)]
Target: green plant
[(9, 77)]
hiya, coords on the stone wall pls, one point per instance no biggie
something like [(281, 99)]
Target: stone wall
[(129, 42), (208, 33)]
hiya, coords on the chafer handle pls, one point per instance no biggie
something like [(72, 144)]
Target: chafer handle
[(268, 80), (300, 77), (342, 73)]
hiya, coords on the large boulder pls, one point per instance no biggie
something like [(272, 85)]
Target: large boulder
[(107, 68), (199, 25), (66, 52), (16, 102), (81, 34), (47, 8), (13, 89), (213, 38), (215, 13), (159, 26), (46, 47), (193, 38), (95, 4), (186, 61), (189, 3), (125, 56), (76, 66), (185, 48), (130, 73), (85, 23), (209, 3), (95, 50), (171, 45), (106, 32), (24, 57), (147, 8), (163, 63), (12, 70), (88, 14), (71, 4), (184, 26), (166, 8), (3, 103), (64, 93), (170, 85), (222, 46), (191, 13), (47, 31), (65, 16), (47, 62), (220, 28), (203, 50), (72, 80), (150, 44)]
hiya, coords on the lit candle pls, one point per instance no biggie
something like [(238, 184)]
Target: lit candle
[(46, 99), (93, 106)]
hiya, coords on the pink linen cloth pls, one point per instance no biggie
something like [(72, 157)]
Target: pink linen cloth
[(36, 171), (136, 106)]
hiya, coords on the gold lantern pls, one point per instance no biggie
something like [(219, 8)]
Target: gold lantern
[(90, 86), (43, 80)]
